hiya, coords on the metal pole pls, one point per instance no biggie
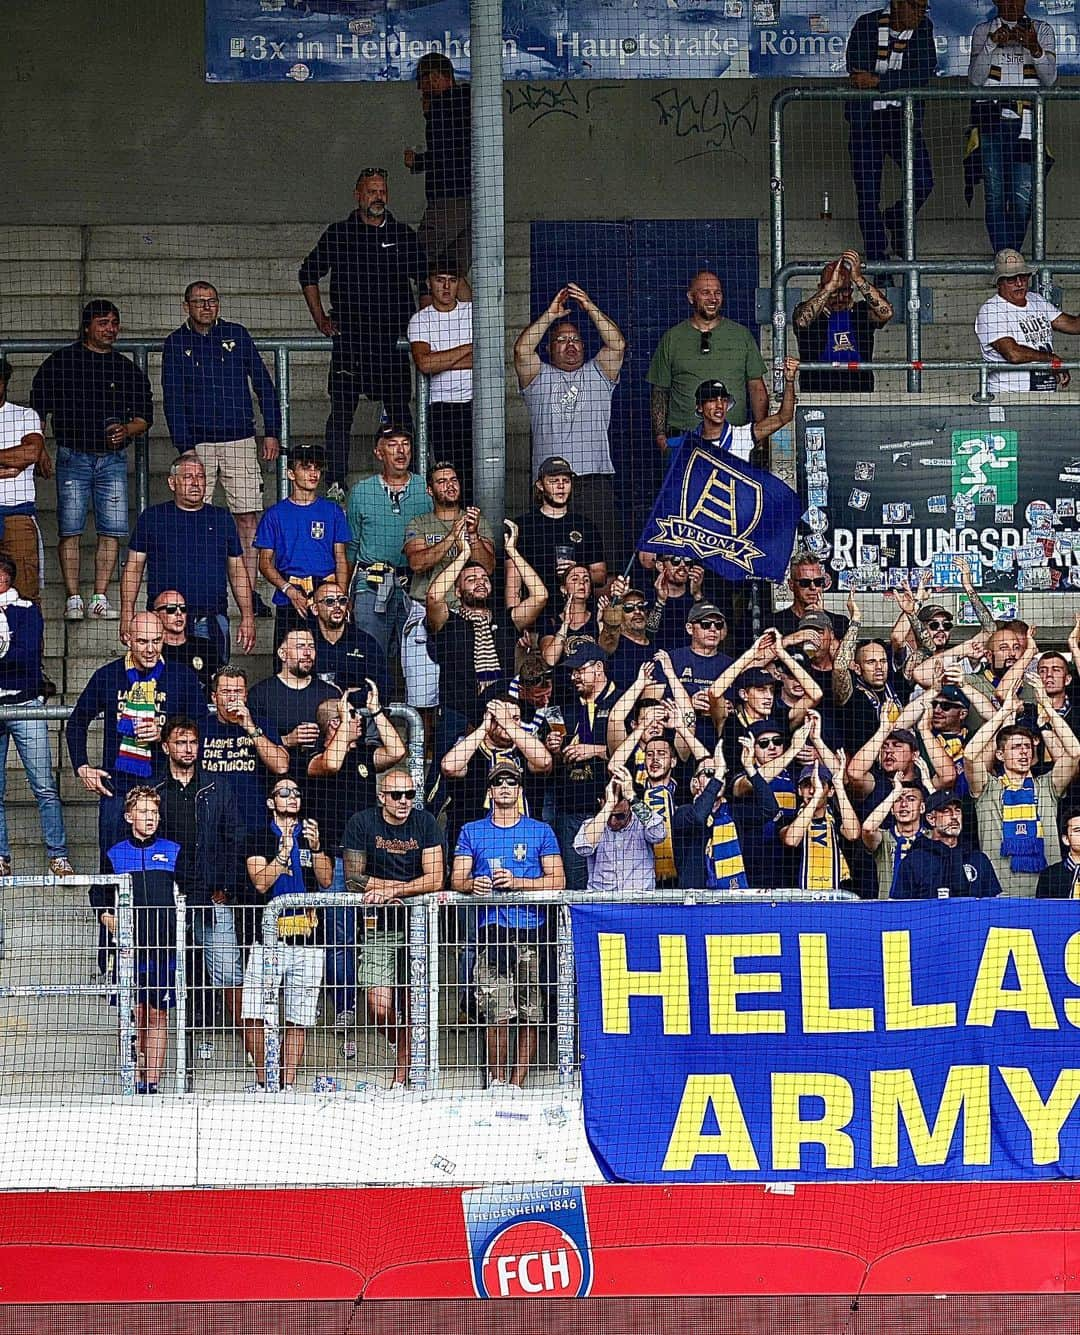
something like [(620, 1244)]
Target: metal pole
[(419, 1014), (270, 994), (911, 278), (564, 996), (489, 318), (142, 448), (180, 1018), (1038, 199), (281, 365), (423, 426), (125, 982)]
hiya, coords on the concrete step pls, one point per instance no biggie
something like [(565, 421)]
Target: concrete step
[(210, 241), (30, 243)]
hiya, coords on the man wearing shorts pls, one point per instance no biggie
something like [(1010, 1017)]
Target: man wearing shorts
[(507, 852), (390, 852), (99, 401), (286, 860), (209, 367)]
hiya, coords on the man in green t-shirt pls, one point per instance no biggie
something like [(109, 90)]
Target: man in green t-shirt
[(704, 347)]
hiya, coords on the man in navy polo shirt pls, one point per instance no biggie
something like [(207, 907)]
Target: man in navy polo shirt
[(193, 547)]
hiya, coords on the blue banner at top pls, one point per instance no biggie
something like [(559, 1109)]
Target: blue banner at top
[(297, 40), (935, 1040)]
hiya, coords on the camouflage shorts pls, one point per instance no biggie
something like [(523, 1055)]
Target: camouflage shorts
[(509, 993)]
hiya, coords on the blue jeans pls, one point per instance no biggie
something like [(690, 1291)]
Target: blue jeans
[(341, 948), (82, 478), (215, 627), (1008, 169), (383, 616), (31, 737), (869, 146)]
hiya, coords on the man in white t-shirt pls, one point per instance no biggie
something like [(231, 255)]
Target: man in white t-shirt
[(1017, 328), (22, 448), (440, 337)]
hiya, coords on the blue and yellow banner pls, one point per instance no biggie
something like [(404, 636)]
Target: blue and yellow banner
[(717, 509), (936, 1040)]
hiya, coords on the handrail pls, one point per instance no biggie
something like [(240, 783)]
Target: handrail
[(281, 347), (910, 266)]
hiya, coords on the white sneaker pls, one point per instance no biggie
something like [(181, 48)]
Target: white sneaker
[(75, 610), (336, 492), (99, 608), (60, 867), (345, 1020)]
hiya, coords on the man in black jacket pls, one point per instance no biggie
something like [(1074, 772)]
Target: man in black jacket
[(888, 49), (941, 866), (373, 262), (446, 228), (1060, 880)]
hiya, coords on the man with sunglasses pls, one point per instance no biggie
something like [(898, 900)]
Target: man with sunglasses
[(194, 651), (345, 655), (508, 852), (704, 347), (763, 793), (635, 648), (377, 270), (1016, 327), (698, 664), (616, 844), (808, 581), (391, 851)]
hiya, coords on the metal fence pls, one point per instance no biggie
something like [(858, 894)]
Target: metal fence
[(468, 994)]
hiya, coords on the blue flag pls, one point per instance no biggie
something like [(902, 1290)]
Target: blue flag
[(717, 509)]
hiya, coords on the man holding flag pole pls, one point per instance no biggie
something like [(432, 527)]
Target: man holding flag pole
[(715, 506)]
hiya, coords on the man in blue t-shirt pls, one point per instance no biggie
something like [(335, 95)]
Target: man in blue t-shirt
[(301, 541), (507, 852), (193, 547)]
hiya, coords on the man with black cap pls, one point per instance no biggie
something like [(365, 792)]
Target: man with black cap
[(22, 452), (374, 263), (1016, 328), (893, 749), (569, 403), (831, 327), (554, 537), (714, 404), (99, 401), (445, 230), (301, 540), (699, 663), (939, 865)]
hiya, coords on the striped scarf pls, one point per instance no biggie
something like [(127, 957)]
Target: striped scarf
[(891, 47), (953, 744), (885, 706), (1021, 828), (787, 799), (824, 866), (659, 799), (1029, 78), (140, 701), (486, 664), (1074, 867), (902, 845), (724, 869)]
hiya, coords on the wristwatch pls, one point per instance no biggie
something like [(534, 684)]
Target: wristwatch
[(255, 734)]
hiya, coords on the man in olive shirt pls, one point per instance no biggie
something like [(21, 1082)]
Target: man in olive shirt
[(704, 347)]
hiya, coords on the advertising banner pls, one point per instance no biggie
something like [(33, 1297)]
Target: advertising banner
[(932, 1040), (888, 496)]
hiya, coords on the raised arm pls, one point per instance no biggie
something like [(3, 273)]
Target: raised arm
[(770, 423), (986, 617), (610, 356), (536, 594), (436, 607), (842, 686), (527, 361), (871, 826), (978, 754), (1067, 761)]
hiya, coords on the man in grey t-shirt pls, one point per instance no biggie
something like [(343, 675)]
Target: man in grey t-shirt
[(569, 402)]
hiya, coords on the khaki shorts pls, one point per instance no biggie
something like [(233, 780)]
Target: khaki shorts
[(505, 997), (383, 961), (236, 462)]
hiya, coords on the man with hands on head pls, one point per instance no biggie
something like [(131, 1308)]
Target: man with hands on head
[(617, 843), (831, 327), (508, 852)]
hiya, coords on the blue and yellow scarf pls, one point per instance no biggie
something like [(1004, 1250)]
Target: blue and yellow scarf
[(724, 869), (1021, 828)]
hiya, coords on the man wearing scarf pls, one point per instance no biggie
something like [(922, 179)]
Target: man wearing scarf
[(133, 695), (1017, 809), (862, 684), (940, 865), (888, 49), (890, 831), (817, 834)]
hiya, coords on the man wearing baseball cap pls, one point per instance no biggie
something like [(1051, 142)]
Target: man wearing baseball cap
[(939, 864), (713, 402), (552, 535), (1016, 328)]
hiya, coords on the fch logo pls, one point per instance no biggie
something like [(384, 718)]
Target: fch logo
[(528, 1242)]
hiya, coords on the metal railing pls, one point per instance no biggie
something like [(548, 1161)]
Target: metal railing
[(141, 350), (910, 265)]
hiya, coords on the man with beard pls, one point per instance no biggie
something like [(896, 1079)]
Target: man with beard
[(831, 326), (499, 738), (922, 630), (893, 749), (373, 261), (807, 579), (431, 543), (569, 403), (243, 749), (345, 655), (941, 860), (862, 683), (553, 536), (290, 699), (475, 648), (705, 347)]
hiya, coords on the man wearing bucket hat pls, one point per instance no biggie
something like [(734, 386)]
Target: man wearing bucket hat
[(1016, 328)]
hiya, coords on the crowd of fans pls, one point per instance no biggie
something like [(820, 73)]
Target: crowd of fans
[(593, 720)]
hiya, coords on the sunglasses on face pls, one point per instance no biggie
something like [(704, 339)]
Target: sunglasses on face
[(286, 792), (712, 624), (940, 623), (706, 342), (770, 741), (335, 600), (398, 793), (818, 583), (171, 608), (633, 607), (947, 704), (503, 781), (677, 562)]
